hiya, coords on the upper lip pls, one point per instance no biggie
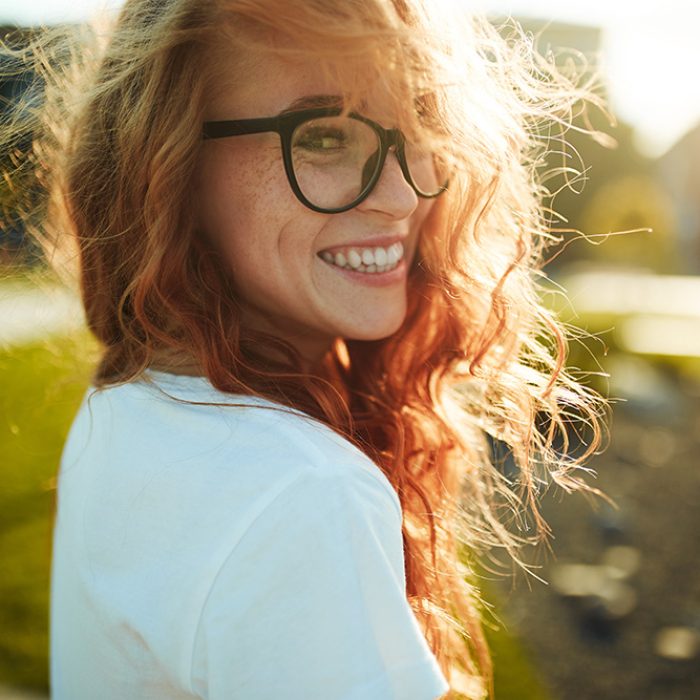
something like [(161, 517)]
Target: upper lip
[(383, 240)]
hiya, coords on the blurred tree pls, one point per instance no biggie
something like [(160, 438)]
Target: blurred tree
[(632, 201), (580, 170), (587, 202)]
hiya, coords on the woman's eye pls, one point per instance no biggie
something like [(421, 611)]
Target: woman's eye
[(325, 140)]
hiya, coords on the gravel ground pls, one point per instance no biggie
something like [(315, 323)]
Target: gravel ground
[(620, 616)]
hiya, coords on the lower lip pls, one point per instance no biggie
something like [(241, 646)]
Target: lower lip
[(372, 279)]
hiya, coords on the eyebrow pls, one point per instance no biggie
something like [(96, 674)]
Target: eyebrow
[(307, 101)]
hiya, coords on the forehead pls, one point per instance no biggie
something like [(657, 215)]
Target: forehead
[(265, 83)]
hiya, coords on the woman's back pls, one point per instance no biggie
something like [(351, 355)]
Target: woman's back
[(220, 552)]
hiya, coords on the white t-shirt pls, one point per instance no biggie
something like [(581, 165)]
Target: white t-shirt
[(226, 553)]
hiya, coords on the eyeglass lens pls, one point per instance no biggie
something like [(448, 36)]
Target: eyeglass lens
[(334, 159)]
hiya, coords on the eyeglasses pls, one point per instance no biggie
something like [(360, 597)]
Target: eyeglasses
[(333, 162)]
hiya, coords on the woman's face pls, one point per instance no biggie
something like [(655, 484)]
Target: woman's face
[(280, 252)]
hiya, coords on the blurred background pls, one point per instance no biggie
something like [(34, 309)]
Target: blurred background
[(616, 614)]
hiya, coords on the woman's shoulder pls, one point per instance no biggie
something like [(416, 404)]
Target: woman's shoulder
[(181, 419)]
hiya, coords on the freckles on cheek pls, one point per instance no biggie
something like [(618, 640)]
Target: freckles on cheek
[(247, 204), (226, 191)]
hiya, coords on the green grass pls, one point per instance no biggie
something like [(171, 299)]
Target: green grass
[(41, 388), (515, 676)]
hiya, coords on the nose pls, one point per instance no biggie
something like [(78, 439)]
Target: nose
[(392, 193)]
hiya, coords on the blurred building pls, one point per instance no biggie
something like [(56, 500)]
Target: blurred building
[(678, 171)]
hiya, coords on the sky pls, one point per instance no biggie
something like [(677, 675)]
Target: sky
[(650, 52)]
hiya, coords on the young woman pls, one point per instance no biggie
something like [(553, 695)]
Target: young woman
[(307, 236)]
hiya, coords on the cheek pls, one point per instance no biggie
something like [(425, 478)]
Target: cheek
[(427, 209), (249, 212), (240, 195)]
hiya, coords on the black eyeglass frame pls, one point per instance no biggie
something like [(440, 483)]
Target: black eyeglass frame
[(285, 123)]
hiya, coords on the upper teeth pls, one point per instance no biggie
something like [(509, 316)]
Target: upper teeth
[(377, 259)]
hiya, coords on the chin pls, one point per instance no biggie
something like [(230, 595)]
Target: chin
[(377, 331)]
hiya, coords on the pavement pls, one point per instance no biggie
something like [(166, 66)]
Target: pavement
[(619, 618)]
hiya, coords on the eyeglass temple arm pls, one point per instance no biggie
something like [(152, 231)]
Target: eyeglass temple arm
[(221, 129)]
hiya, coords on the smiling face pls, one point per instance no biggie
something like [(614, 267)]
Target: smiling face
[(286, 259)]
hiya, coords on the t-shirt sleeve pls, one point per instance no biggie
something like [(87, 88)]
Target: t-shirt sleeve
[(311, 602)]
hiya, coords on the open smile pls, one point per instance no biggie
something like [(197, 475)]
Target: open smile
[(369, 274)]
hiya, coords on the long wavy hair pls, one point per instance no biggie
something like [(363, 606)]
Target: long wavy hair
[(479, 361)]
